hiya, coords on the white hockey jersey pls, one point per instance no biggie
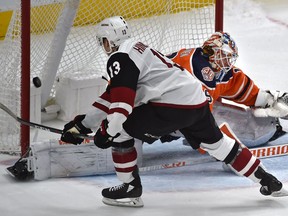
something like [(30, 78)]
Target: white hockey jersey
[(140, 75)]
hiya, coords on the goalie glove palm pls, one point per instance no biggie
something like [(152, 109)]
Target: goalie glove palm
[(274, 104), (74, 127)]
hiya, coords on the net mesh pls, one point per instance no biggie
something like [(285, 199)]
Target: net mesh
[(166, 25)]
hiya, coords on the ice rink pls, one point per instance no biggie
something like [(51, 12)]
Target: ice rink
[(260, 29)]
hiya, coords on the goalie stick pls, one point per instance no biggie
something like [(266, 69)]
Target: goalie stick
[(39, 126), (260, 152), (176, 164)]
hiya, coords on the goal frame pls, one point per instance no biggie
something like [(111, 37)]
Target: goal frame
[(25, 65), (25, 75)]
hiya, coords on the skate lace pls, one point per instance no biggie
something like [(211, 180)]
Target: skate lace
[(117, 187)]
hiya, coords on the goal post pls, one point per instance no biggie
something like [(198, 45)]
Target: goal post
[(25, 75), (56, 42)]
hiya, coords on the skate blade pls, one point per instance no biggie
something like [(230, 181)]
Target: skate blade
[(126, 202), (280, 193)]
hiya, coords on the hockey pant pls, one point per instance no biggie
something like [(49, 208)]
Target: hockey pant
[(148, 123)]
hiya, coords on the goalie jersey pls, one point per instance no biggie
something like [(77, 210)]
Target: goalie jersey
[(235, 86)]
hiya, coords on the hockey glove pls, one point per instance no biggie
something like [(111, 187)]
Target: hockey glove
[(273, 104), (102, 139), (74, 127)]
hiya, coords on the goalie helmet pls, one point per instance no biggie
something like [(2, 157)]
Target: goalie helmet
[(222, 52), (115, 30)]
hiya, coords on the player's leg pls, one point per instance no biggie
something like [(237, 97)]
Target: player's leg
[(147, 123), (231, 152), (124, 157)]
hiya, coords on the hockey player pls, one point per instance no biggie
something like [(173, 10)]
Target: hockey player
[(213, 65), (149, 96)]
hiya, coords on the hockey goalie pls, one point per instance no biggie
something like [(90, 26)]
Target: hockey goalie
[(251, 112)]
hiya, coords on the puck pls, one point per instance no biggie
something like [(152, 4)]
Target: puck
[(37, 82)]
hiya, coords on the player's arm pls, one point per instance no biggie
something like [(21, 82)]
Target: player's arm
[(123, 84), (240, 88), (84, 123)]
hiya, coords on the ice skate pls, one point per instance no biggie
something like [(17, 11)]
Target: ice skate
[(126, 194), (20, 170), (270, 184)]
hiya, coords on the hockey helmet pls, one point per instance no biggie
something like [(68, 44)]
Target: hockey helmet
[(222, 52), (115, 30)]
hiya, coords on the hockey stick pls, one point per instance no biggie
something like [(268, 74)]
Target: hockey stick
[(39, 126), (176, 164), (260, 152), (270, 151)]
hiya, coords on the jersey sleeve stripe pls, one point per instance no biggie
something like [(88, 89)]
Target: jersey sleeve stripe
[(105, 96), (123, 94), (119, 110), (101, 107), (122, 105), (122, 108), (244, 89), (247, 94)]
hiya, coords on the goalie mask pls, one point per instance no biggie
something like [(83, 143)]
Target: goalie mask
[(222, 52), (115, 30)]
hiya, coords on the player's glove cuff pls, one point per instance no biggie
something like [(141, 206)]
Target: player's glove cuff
[(74, 127), (102, 139)]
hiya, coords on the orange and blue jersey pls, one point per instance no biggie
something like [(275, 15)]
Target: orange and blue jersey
[(235, 85)]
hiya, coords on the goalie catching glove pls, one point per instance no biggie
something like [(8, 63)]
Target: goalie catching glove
[(273, 104), (102, 139), (74, 127)]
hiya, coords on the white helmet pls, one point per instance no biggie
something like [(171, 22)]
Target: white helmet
[(115, 30), (222, 52)]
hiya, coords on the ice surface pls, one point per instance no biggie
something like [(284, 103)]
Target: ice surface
[(260, 30)]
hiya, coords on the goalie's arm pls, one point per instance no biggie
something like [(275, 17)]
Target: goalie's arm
[(271, 103)]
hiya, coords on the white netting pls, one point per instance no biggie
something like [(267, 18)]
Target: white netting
[(166, 25)]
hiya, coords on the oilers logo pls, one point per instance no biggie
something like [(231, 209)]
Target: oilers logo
[(207, 73)]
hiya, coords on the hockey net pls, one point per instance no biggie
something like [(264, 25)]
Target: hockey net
[(63, 44)]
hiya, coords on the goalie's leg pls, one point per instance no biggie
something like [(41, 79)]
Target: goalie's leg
[(244, 163)]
